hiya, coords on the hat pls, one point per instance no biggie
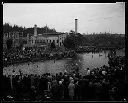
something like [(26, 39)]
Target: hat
[(60, 82), (70, 78)]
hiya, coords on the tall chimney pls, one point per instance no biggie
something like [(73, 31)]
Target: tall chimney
[(75, 26), (35, 30)]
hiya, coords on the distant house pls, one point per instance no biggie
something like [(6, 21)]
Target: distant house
[(57, 38), (48, 38)]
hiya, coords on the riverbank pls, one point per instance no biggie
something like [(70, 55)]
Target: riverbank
[(82, 49), (35, 55)]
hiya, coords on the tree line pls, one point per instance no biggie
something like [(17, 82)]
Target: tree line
[(9, 28), (97, 40)]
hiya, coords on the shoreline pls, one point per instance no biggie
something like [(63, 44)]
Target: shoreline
[(55, 56)]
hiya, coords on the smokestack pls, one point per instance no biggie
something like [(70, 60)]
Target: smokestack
[(35, 30), (75, 26)]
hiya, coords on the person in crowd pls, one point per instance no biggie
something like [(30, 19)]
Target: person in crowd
[(98, 88), (71, 89), (91, 91), (105, 89), (61, 90), (88, 73), (33, 93), (77, 91), (113, 93), (54, 89), (66, 83), (49, 85)]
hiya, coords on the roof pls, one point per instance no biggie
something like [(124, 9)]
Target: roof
[(49, 34)]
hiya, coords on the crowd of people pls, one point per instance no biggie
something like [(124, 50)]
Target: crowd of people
[(107, 83), (14, 56), (88, 49)]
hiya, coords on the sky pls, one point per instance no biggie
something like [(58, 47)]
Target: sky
[(92, 17)]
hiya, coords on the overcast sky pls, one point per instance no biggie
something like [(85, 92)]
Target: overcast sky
[(96, 17)]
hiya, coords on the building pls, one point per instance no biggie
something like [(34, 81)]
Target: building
[(56, 38), (15, 37), (47, 38), (30, 40)]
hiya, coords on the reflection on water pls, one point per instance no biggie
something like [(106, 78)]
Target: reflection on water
[(89, 60), (81, 61)]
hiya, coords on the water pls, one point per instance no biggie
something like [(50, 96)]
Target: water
[(82, 61)]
